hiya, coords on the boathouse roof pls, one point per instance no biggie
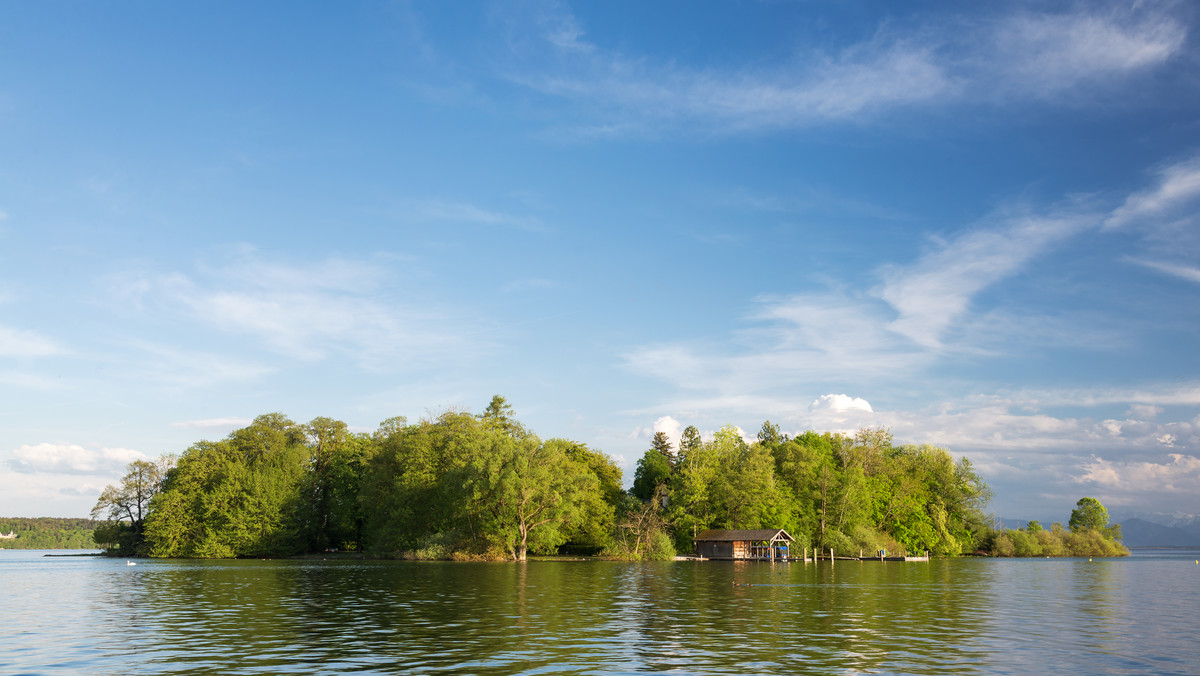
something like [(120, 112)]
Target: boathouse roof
[(763, 534)]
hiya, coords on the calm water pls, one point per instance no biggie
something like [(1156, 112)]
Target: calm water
[(91, 615)]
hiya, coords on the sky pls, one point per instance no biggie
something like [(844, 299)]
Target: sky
[(976, 225)]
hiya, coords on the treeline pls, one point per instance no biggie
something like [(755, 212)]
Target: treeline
[(829, 491), (48, 533), (1088, 534), (484, 487)]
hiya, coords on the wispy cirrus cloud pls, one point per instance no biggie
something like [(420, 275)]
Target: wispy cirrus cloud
[(26, 343), (1177, 188), (468, 213), (305, 311), (931, 294), (891, 330), (1018, 55), (1042, 54)]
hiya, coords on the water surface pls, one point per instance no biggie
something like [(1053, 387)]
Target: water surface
[(67, 615)]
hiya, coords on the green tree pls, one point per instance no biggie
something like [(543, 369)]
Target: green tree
[(688, 442), (499, 415), (1088, 514), (128, 505), (662, 444), (241, 496), (770, 436), (653, 470), (528, 494)]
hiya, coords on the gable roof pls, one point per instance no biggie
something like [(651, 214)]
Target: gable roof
[(765, 534)]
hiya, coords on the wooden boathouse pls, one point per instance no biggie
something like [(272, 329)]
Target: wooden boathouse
[(761, 544)]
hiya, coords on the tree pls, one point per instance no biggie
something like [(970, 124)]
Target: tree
[(770, 435), (130, 503), (653, 470), (1088, 514), (662, 444), (688, 441), (528, 494), (499, 415)]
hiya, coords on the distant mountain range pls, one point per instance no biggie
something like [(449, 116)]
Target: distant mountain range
[(1145, 530)]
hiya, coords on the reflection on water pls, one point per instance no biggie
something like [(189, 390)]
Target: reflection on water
[(67, 615)]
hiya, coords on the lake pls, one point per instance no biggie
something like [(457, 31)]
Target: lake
[(70, 615)]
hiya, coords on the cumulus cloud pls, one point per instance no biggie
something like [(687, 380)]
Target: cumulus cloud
[(839, 403), (1179, 474), (64, 458), (666, 424)]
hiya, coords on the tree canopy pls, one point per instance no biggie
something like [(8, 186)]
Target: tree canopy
[(458, 485)]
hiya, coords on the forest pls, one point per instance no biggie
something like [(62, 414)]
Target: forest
[(484, 487), (48, 533)]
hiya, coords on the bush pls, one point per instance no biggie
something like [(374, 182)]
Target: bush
[(661, 547)]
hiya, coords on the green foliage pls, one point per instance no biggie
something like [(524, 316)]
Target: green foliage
[(49, 533), (653, 470), (128, 506), (465, 486), (662, 444), (1090, 535), (640, 533), (1088, 514), (238, 497)]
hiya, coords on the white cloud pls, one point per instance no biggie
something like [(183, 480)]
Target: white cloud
[(870, 76), (1144, 411), (1178, 186), (1179, 474), (24, 343), (931, 62), (1189, 273), (64, 458), (839, 403), (671, 427), (308, 311), (936, 290), (1044, 54)]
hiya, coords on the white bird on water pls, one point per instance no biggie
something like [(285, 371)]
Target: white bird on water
[(130, 563)]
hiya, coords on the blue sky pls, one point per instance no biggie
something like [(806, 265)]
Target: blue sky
[(977, 227)]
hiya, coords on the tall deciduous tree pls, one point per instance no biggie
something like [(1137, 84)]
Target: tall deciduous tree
[(528, 493), (1088, 514), (128, 505)]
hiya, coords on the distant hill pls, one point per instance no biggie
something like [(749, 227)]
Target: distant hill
[(1142, 533)]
